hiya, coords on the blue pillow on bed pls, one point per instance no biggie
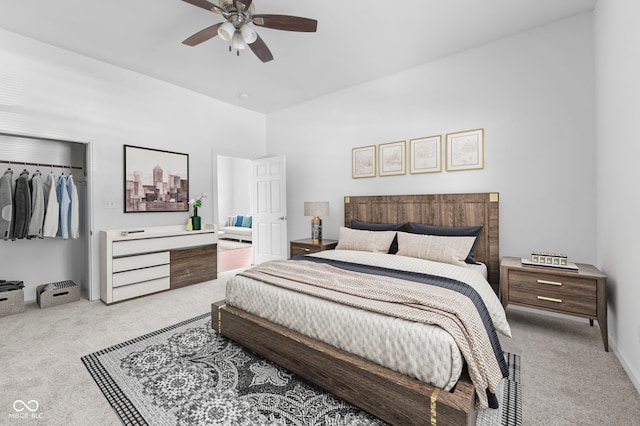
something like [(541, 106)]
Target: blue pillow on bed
[(447, 231), (238, 220), (393, 249)]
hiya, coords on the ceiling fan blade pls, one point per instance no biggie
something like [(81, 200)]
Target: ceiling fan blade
[(205, 5), (202, 36), (261, 50), (286, 22)]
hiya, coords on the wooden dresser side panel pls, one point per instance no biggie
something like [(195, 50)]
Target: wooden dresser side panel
[(193, 265)]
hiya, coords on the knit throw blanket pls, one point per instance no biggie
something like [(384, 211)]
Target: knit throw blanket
[(450, 310)]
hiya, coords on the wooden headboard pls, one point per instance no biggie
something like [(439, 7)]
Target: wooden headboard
[(439, 210)]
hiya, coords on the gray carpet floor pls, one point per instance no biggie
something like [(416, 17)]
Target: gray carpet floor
[(567, 377)]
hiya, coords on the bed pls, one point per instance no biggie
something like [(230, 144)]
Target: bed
[(393, 392)]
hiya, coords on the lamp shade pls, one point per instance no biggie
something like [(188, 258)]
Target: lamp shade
[(237, 42), (248, 34), (226, 31), (316, 208)]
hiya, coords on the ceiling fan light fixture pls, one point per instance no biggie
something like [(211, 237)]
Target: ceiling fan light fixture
[(237, 41), (226, 31), (248, 34)]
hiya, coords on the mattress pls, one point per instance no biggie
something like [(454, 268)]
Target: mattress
[(425, 352)]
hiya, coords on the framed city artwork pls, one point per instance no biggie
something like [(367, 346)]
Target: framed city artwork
[(465, 150), (155, 180), (392, 158), (425, 154), (363, 162)]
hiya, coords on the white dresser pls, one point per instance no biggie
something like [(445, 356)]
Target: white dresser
[(136, 262)]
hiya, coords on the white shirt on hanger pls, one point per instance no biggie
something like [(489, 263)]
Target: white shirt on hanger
[(51, 217), (75, 210)]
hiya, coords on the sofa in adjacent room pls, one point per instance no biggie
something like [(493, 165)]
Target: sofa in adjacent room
[(237, 228)]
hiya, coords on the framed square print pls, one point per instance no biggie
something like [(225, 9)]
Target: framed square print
[(392, 158), (155, 180), (425, 155), (465, 150), (363, 162)]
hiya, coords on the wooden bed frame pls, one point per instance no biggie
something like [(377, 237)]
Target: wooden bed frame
[(389, 395)]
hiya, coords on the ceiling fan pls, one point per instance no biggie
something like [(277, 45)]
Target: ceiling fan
[(236, 28)]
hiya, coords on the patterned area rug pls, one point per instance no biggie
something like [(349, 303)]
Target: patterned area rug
[(187, 374)]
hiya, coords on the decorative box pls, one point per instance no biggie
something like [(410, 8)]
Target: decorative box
[(11, 302), (60, 293), (548, 258)]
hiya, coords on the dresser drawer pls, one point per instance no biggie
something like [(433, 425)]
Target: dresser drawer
[(148, 245), (139, 275), (128, 263), (140, 289), (573, 295)]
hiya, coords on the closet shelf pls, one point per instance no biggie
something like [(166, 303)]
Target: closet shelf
[(26, 163)]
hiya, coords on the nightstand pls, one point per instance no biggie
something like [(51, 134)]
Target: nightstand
[(581, 293), (307, 246)]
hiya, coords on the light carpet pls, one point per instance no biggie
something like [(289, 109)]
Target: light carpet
[(187, 374), (231, 244)]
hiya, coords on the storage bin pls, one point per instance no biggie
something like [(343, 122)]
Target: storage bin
[(11, 302), (64, 292)]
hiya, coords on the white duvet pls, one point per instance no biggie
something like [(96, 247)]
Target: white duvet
[(425, 352)]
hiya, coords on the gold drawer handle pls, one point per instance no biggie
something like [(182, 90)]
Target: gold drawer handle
[(549, 282), (306, 249), (549, 299)]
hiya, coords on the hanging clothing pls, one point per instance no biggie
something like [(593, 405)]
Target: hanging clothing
[(52, 212), (64, 201), (74, 212), (37, 206), (46, 188), (21, 206), (6, 204)]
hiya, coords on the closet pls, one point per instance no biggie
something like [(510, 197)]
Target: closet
[(41, 260)]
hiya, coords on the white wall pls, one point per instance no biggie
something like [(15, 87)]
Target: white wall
[(532, 93), (618, 174), (234, 187), (53, 93)]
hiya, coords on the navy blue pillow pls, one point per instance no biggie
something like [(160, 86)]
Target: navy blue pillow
[(393, 249), (238, 221), (446, 231)]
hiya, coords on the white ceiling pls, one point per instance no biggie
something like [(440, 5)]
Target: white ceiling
[(357, 40)]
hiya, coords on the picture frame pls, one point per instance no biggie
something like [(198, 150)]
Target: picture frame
[(465, 150), (155, 180), (363, 162), (392, 158), (425, 155)]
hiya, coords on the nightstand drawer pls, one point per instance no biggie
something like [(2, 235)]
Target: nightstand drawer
[(557, 292), (567, 285), (297, 250), (554, 301), (308, 246)]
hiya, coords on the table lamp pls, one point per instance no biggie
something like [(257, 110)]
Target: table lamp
[(316, 209)]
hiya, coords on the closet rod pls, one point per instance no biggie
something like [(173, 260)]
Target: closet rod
[(22, 163)]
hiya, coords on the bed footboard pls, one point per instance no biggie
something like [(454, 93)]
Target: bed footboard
[(389, 395)]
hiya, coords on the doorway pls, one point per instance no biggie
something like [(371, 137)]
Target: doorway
[(234, 200)]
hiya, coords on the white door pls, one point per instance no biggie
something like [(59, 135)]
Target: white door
[(269, 185)]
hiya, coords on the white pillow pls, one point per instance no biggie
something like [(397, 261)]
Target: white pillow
[(372, 241), (453, 250)]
